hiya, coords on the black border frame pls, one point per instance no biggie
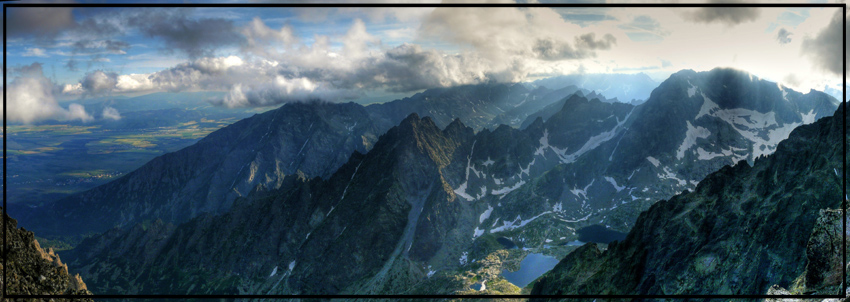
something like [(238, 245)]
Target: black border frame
[(225, 5)]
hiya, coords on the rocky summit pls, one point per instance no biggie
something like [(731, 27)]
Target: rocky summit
[(31, 270), (773, 228)]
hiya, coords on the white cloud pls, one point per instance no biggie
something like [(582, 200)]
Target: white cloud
[(134, 83), (34, 52), (111, 113), (456, 46), (31, 99), (99, 82)]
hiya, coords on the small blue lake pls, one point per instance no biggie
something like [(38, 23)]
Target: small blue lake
[(531, 267)]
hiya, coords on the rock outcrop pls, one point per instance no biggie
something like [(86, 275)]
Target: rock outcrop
[(31, 270)]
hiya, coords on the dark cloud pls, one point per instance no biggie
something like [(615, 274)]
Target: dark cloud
[(44, 24), (585, 46), (727, 15), (589, 42), (550, 49), (95, 28), (409, 67), (194, 37), (783, 36), (825, 48), (31, 22), (117, 46)]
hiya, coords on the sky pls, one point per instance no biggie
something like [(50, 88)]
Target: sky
[(270, 56)]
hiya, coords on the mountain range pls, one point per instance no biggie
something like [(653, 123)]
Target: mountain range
[(344, 198), (744, 230)]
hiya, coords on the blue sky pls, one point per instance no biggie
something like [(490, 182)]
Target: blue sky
[(268, 56)]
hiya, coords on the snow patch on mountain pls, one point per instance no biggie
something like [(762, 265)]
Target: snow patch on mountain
[(477, 233), (808, 118), (506, 190), (614, 183), (527, 169), (784, 93), (691, 90), (486, 214), (345, 189), (654, 161), (461, 190), (595, 141), (708, 107), (702, 154), (544, 144), (510, 225), (691, 136), (578, 220), (670, 175), (752, 125), (582, 192)]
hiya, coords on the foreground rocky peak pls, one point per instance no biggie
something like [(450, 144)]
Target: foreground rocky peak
[(31, 270)]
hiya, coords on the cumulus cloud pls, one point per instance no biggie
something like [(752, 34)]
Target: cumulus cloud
[(99, 82), (259, 38), (322, 70), (111, 113), (783, 36), (409, 67), (260, 82), (825, 48), (727, 15), (283, 69), (32, 98)]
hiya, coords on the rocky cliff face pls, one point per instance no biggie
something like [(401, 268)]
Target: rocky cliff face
[(30, 270), (744, 230)]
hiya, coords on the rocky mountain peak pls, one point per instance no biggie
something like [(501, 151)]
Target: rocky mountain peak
[(32, 270)]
